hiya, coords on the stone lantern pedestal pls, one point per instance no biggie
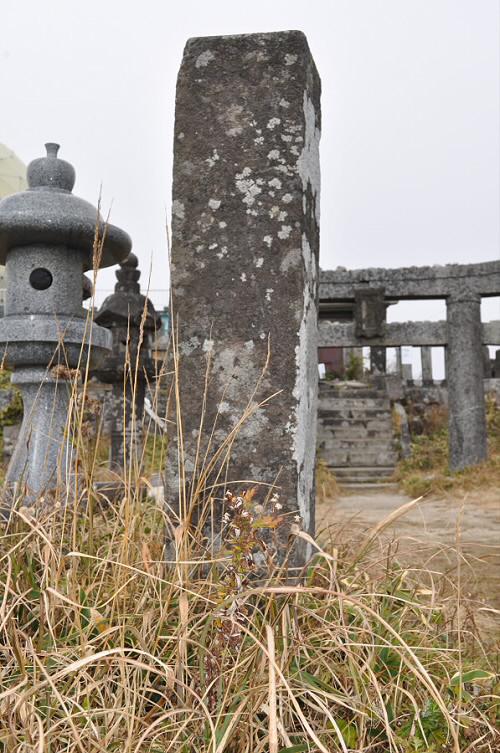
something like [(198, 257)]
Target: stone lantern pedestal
[(46, 402), (47, 241)]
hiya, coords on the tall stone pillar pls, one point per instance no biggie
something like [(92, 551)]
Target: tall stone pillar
[(407, 371), (245, 268), (399, 362), (487, 363), (497, 365), (426, 361), (378, 360), (466, 406)]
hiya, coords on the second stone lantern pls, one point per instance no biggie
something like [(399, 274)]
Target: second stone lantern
[(133, 322), (48, 239)]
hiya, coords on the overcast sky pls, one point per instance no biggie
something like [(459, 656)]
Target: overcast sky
[(410, 143)]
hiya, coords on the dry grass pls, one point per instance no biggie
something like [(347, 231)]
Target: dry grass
[(327, 486), (427, 468), (107, 646), (112, 641)]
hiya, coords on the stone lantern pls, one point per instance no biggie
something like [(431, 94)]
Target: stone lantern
[(133, 322), (47, 240)]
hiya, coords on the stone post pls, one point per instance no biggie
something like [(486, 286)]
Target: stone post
[(399, 362), (487, 362), (407, 372), (378, 360), (426, 361), (133, 322), (245, 267), (466, 405), (497, 364), (47, 240)]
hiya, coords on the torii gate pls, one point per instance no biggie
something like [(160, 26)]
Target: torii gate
[(462, 334)]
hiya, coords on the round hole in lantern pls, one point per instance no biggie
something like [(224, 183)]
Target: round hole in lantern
[(41, 279)]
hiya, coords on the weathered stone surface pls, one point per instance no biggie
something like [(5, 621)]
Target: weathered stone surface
[(435, 394), (399, 361), (491, 333), (404, 430), (397, 333), (488, 364), (462, 285), (466, 407), (497, 364), (370, 312), (10, 435), (245, 260), (42, 339), (407, 371), (342, 335), (412, 282), (133, 322), (378, 360), (353, 418), (355, 431), (426, 363), (41, 456), (55, 216), (395, 387)]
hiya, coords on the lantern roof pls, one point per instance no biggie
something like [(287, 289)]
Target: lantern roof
[(127, 305), (49, 213)]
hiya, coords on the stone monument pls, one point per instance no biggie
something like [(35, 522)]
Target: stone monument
[(245, 269), (133, 322), (47, 240)]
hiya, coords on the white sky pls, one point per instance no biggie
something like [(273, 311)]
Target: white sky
[(411, 116)]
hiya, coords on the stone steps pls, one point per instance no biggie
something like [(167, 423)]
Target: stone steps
[(363, 418), (359, 434), (365, 403), (367, 485), (354, 393), (343, 473), (346, 459), (355, 434), (358, 429), (367, 445), (360, 476)]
